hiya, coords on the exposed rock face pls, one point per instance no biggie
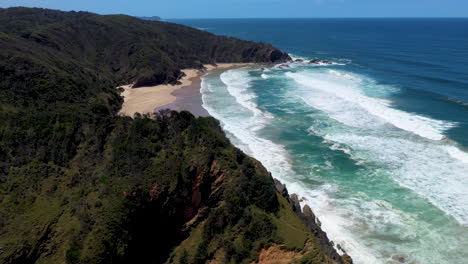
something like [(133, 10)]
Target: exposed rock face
[(317, 61), (85, 185), (313, 224), (284, 66), (299, 60), (281, 188), (279, 56), (276, 255)]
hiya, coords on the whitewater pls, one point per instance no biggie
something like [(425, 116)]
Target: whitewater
[(388, 185)]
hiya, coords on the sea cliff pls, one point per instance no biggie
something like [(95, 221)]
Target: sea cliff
[(80, 183)]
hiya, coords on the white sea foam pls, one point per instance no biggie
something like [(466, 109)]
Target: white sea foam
[(264, 76), (328, 64), (341, 222), (360, 225), (418, 165), (244, 125), (339, 95), (243, 129), (431, 168), (296, 57), (238, 86), (457, 153), (346, 75), (333, 61)]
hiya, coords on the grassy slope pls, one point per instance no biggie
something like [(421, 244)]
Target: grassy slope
[(286, 230), (79, 184)]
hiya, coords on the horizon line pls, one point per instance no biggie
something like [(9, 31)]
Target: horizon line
[(162, 18), (408, 17)]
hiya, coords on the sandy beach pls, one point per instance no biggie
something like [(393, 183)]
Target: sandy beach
[(184, 96)]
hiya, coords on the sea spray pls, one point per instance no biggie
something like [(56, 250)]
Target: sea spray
[(353, 163), (376, 216), (342, 88), (273, 156)]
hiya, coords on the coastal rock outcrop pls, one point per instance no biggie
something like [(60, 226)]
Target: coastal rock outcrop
[(319, 62), (283, 66), (313, 224), (83, 184), (277, 56)]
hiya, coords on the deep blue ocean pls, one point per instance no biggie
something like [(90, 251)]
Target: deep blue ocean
[(376, 143)]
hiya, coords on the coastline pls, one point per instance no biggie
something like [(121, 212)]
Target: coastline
[(185, 96)]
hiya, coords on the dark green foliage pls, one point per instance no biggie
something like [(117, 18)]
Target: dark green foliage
[(80, 184), (131, 190), (73, 254), (52, 48)]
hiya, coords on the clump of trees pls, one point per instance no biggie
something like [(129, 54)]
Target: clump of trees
[(80, 184)]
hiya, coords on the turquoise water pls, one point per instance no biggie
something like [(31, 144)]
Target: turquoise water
[(375, 143)]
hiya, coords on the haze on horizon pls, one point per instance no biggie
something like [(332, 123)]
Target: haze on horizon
[(258, 8)]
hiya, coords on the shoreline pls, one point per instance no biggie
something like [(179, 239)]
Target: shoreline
[(181, 97), (189, 98)]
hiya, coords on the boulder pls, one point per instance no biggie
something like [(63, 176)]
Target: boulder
[(281, 188), (317, 61)]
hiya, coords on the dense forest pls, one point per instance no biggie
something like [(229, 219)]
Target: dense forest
[(80, 184)]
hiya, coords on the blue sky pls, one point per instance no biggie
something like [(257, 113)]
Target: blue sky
[(258, 8)]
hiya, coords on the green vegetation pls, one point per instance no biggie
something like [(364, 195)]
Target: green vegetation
[(241, 241), (80, 184), (121, 49), (293, 231)]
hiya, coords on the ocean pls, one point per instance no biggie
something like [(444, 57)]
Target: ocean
[(376, 143)]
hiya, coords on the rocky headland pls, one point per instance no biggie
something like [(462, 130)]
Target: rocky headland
[(80, 182)]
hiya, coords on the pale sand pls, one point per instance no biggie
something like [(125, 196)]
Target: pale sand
[(145, 100)]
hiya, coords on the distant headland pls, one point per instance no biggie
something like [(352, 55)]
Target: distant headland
[(151, 18)]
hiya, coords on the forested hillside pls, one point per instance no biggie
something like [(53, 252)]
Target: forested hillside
[(80, 184)]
